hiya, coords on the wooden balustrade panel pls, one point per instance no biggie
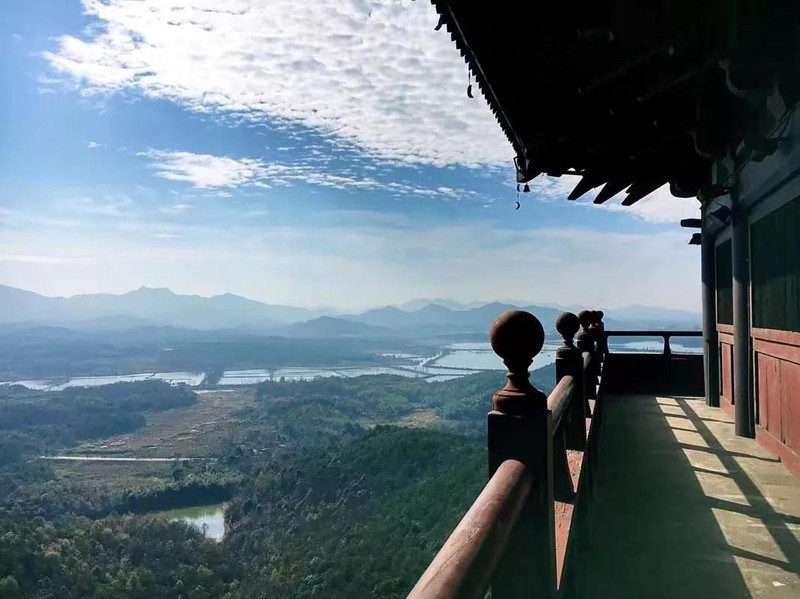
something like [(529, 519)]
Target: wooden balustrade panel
[(768, 374), (725, 333), (776, 357)]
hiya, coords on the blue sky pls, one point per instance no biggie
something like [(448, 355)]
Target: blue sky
[(305, 153)]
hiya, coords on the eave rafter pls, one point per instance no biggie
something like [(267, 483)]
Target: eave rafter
[(629, 96)]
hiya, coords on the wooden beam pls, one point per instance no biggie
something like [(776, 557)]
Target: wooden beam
[(588, 183), (612, 188), (642, 189)]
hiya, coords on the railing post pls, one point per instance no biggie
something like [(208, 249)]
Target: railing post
[(602, 340), (597, 337), (519, 427), (586, 343), (667, 348), (569, 362)]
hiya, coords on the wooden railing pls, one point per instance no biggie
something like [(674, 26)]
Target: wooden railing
[(666, 335), (516, 536), (507, 539), (465, 564)]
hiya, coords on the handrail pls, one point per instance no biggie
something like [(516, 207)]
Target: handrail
[(652, 333), (590, 369), (464, 565), (558, 401), (507, 538), (529, 437)]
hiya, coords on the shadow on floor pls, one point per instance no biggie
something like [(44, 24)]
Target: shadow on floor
[(775, 524), (650, 530)]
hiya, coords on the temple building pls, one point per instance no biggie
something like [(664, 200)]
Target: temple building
[(681, 482)]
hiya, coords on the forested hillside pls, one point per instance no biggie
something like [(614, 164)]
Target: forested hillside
[(341, 488), (42, 420)]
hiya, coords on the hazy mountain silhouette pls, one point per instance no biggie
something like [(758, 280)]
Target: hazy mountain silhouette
[(435, 318), (418, 304), (154, 306), (148, 307), (328, 326)]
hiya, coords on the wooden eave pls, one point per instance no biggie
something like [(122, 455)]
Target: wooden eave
[(629, 95)]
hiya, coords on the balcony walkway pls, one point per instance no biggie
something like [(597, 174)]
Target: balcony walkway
[(684, 508)]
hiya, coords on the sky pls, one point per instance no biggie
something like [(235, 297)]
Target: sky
[(308, 153)]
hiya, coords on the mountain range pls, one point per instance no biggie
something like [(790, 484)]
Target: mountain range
[(149, 307)]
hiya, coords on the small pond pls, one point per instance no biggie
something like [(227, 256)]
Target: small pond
[(208, 519)]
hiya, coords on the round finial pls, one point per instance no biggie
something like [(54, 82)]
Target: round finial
[(516, 336), (586, 318), (567, 325)]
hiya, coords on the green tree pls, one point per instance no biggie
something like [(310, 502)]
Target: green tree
[(9, 589)]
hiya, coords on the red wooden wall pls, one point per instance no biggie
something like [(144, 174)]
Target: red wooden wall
[(775, 321), (777, 370)]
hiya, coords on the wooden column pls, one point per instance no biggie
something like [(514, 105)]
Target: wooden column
[(519, 427), (710, 339), (742, 392)]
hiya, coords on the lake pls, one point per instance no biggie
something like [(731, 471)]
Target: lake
[(101, 458), (192, 379), (208, 519), (479, 356), (655, 347), (39, 385), (259, 375), (452, 362)]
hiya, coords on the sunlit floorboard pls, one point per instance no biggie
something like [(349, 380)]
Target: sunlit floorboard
[(684, 508)]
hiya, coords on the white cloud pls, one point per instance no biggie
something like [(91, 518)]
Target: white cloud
[(205, 171), (448, 191), (93, 145), (370, 73), (175, 208), (31, 259), (112, 205)]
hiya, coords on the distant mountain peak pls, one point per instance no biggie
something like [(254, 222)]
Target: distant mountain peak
[(435, 308), (418, 304), (152, 291)]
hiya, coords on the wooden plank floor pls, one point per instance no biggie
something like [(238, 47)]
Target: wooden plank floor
[(681, 507)]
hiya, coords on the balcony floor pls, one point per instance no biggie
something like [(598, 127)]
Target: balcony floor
[(684, 508)]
